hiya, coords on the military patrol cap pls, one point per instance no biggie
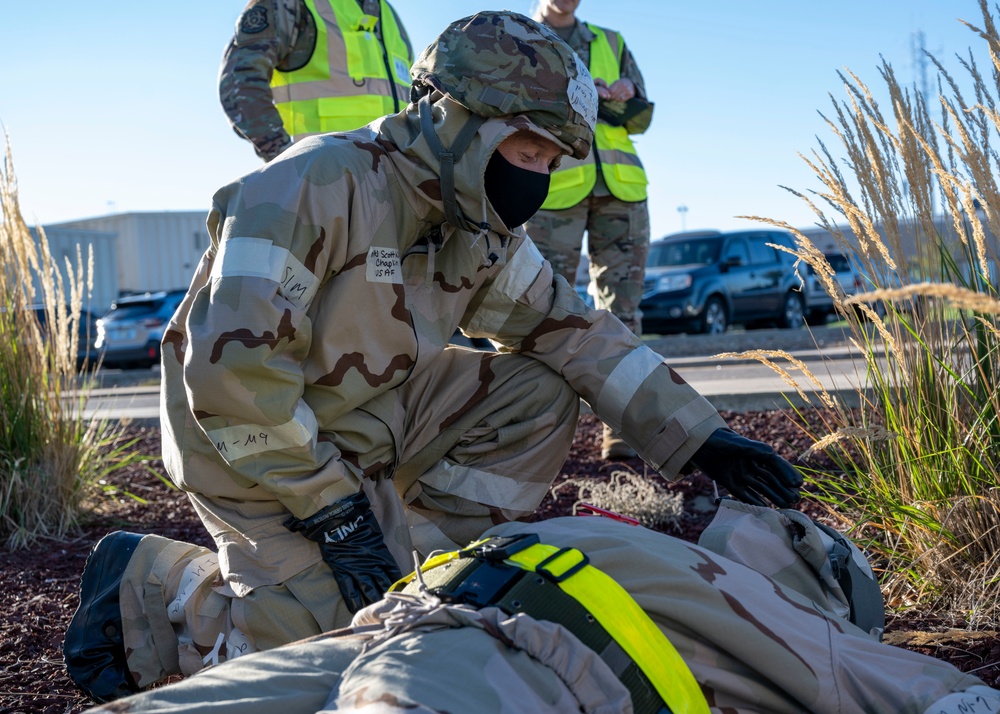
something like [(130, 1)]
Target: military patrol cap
[(501, 63)]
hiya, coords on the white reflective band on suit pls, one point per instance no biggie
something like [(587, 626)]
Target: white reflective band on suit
[(623, 382), (512, 282), (975, 700), (260, 258), (242, 440)]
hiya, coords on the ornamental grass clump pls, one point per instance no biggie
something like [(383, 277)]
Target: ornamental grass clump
[(51, 457), (915, 203)]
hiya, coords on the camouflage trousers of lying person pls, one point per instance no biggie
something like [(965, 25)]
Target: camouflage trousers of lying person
[(752, 644), (617, 246), (485, 435)]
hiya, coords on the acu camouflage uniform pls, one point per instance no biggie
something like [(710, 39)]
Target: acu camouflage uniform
[(753, 644), (310, 359), (270, 35), (617, 231)]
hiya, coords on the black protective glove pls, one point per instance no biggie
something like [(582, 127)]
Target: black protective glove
[(750, 470), (352, 545)]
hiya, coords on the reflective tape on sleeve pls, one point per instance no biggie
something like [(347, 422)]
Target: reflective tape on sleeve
[(242, 440), (511, 283), (260, 258), (623, 382)]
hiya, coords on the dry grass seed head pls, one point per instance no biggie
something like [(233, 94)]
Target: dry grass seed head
[(765, 358), (855, 433), (959, 297)]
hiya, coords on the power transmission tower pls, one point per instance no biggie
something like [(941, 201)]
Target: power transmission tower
[(918, 54)]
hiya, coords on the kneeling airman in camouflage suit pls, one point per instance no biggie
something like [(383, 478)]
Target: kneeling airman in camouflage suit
[(312, 407)]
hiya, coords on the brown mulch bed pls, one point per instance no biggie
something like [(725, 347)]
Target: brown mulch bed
[(39, 592)]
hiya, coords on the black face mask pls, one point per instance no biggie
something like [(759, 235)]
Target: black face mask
[(516, 194)]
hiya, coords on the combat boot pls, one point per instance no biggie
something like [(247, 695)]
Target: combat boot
[(614, 448), (94, 647)]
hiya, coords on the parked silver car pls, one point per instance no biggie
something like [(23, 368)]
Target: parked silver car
[(130, 332)]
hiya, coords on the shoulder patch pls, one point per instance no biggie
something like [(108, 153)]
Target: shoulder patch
[(254, 20)]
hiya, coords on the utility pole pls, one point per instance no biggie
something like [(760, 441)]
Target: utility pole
[(683, 211)]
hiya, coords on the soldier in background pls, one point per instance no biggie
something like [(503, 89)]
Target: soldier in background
[(725, 639), (312, 408), (301, 67), (603, 195)]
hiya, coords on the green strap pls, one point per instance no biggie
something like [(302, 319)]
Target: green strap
[(624, 620), (448, 157)]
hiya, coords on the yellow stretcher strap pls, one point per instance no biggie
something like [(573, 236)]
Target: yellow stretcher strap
[(622, 617), (610, 605)]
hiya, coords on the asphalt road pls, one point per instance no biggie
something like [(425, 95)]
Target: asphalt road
[(730, 384)]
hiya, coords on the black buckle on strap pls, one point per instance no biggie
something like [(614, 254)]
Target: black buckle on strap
[(485, 585), (543, 570), (488, 582), (500, 547)]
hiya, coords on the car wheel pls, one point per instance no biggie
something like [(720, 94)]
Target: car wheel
[(715, 318), (793, 314)]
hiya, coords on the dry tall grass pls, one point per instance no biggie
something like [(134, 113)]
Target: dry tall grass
[(924, 451), (50, 456)]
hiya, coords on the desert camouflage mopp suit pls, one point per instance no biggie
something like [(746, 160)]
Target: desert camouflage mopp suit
[(753, 645), (310, 358)]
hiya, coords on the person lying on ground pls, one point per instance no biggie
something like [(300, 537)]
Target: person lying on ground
[(583, 614)]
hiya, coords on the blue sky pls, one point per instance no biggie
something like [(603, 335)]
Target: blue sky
[(113, 106)]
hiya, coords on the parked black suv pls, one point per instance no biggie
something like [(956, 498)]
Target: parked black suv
[(705, 281)]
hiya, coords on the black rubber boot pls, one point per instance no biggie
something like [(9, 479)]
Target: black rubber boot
[(94, 646)]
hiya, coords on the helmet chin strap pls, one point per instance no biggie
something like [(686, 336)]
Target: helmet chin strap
[(449, 157)]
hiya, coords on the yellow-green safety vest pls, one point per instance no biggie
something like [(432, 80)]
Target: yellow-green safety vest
[(349, 80), (613, 149)]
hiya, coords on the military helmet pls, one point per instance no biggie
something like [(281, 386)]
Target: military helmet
[(500, 63)]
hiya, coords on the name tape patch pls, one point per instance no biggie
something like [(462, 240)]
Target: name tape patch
[(383, 266), (583, 96)]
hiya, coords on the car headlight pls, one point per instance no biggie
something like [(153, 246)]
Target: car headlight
[(672, 283)]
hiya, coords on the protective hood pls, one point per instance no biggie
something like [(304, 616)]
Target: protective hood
[(423, 171)]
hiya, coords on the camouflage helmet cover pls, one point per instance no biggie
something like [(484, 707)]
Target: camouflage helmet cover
[(502, 63)]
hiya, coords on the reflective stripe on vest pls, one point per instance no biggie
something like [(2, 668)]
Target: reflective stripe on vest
[(349, 80), (609, 604), (623, 172)]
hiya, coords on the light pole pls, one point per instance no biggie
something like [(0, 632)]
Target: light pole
[(683, 211)]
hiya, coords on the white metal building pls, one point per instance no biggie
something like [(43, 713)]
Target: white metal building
[(912, 235), (153, 250), (97, 259)]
